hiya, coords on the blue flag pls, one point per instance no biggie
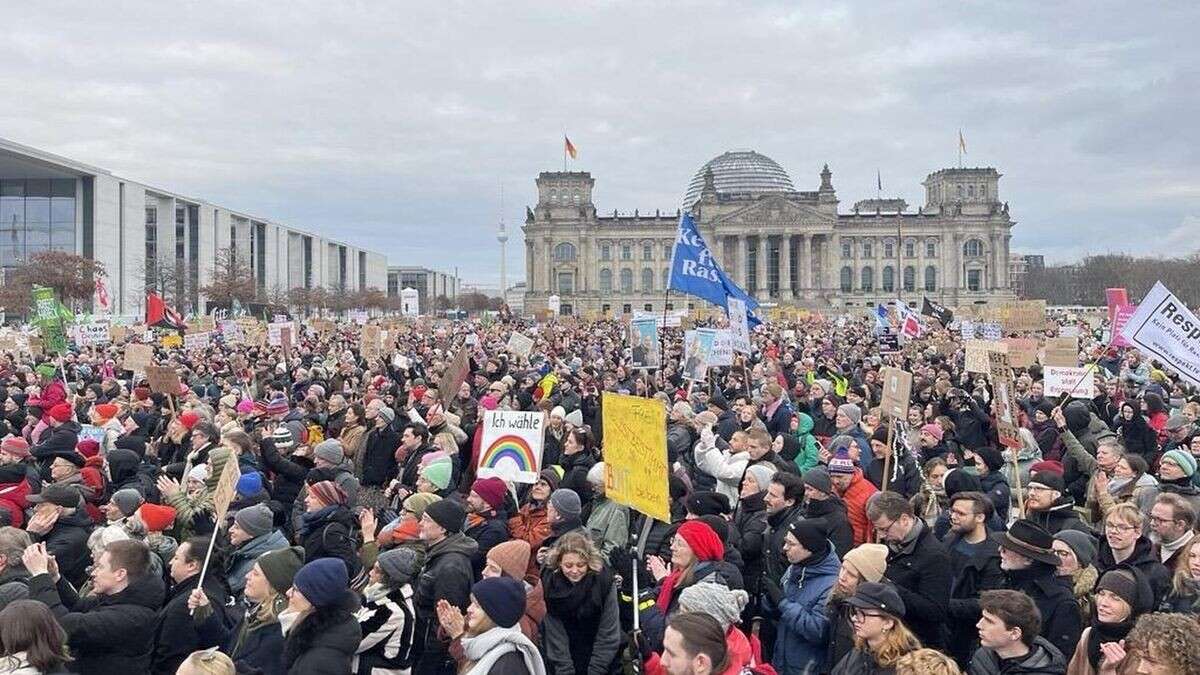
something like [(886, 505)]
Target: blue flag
[(695, 272), (882, 324)]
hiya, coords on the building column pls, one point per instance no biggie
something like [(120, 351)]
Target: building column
[(548, 265), (718, 251), (785, 267), (739, 255), (762, 262), (804, 264), (530, 279)]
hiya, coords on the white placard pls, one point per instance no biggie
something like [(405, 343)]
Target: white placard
[(721, 353), (511, 445), (1164, 327), (196, 340), (520, 345), (738, 324), (1078, 382)]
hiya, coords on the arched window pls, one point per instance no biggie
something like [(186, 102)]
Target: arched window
[(960, 192), (868, 279), (647, 280), (930, 249), (973, 248), (970, 190), (564, 252), (576, 196), (606, 280), (889, 250), (931, 278), (889, 279), (910, 278), (626, 281), (847, 279)]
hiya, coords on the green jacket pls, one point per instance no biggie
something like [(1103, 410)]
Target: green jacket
[(809, 454), (609, 525)]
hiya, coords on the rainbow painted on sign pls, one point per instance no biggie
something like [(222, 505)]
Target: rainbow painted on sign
[(513, 448)]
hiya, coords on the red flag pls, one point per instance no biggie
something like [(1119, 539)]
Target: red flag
[(101, 294), (570, 149), (159, 314)]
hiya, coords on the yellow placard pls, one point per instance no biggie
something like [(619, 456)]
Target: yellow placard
[(172, 340), (635, 454)]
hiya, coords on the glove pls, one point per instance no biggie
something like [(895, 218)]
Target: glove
[(773, 591)]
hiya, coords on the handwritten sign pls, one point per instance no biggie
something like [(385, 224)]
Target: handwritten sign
[(897, 392), (635, 454), (138, 356), (511, 445), (1006, 403), (163, 380)]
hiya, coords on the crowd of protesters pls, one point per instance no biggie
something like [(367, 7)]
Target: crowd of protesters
[(809, 534)]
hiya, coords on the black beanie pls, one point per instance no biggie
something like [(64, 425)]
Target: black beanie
[(449, 514), (811, 537), (718, 525), (991, 457), (706, 503)]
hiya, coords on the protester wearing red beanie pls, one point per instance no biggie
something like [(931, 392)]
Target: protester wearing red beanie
[(491, 491), (61, 413), (189, 419), (695, 548)]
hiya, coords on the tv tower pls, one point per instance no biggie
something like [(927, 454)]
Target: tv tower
[(502, 237)]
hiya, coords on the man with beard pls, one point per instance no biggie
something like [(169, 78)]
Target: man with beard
[(974, 565), (1047, 505), (1029, 563), (694, 644), (784, 499)]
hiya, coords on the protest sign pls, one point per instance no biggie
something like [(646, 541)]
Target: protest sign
[(1076, 382), (273, 336), (93, 334), (519, 345), (990, 331), (1115, 298), (455, 375), (644, 344), (1069, 331), (8, 343), (196, 340), (977, 354), (118, 333), (1164, 327), (171, 341), (554, 304), (1061, 351), (371, 342), (738, 324), (966, 329), (897, 392), (232, 333), (91, 432), (1007, 419), (226, 488), (889, 343), (511, 445), (721, 353), (163, 379), (635, 454), (1120, 318), (1022, 352), (138, 356), (696, 347)]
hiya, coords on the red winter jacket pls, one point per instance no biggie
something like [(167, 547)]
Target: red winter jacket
[(855, 497), (13, 499)]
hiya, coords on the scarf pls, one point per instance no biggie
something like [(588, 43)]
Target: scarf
[(1105, 632), (310, 520), (482, 651), (582, 601)]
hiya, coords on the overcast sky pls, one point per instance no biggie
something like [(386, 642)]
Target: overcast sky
[(393, 125)]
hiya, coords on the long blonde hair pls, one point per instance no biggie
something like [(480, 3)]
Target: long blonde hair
[(897, 641), (1183, 575)]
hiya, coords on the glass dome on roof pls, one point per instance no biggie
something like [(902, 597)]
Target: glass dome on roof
[(740, 171)]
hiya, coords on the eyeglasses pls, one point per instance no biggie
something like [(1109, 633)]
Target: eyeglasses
[(861, 615), (1118, 527), (886, 529), (1162, 521), (1038, 488)]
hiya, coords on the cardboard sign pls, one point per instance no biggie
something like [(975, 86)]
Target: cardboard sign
[(163, 380), (644, 346), (455, 375), (226, 488), (273, 336), (738, 323), (635, 454), (897, 392), (519, 345), (1061, 351), (889, 343), (1022, 352), (1077, 382), (511, 445), (1164, 327), (1007, 417), (977, 354), (93, 334), (371, 342), (286, 339), (138, 357)]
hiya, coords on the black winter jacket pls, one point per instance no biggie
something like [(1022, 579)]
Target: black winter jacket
[(447, 575), (107, 634), (493, 530), (976, 574), (331, 536), (288, 473), (830, 514), (379, 457), (921, 573), (324, 642), (1055, 600), (175, 634), (750, 526), (1043, 659), (1145, 559), (67, 542)]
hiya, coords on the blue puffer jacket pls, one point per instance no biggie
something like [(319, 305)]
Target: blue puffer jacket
[(801, 645)]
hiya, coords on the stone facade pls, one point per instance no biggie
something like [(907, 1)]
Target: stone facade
[(782, 245)]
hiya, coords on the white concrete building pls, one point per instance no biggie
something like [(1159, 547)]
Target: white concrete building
[(51, 202)]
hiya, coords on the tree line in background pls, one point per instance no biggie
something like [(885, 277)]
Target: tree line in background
[(1084, 283)]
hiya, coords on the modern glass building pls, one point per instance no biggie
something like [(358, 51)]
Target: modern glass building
[(151, 238)]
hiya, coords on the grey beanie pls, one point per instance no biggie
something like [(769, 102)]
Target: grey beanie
[(575, 417), (721, 603), (127, 500), (387, 413), (566, 502), (256, 520), (400, 564), (762, 475), (852, 411), (1082, 545), (819, 480), (331, 451)]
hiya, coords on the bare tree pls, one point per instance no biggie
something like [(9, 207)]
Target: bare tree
[(232, 279)]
